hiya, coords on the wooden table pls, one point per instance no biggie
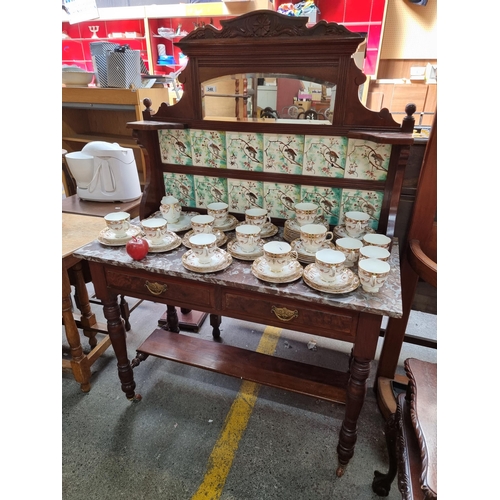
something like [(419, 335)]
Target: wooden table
[(77, 230), (75, 205), (235, 292)]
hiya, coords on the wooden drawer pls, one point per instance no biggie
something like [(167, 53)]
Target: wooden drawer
[(161, 288), (306, 317)]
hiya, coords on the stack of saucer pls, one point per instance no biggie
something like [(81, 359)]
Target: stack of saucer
[(304, 255)]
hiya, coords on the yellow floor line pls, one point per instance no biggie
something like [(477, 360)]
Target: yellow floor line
[(221, 458)]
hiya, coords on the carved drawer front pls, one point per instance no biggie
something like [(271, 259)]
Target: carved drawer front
[(161, 288), (306, 317)]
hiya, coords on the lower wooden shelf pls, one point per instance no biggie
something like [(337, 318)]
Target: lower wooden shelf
[(263, 369)]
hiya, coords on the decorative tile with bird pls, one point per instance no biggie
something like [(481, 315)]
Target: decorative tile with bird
[(327, 198), (209, 148), (324, 156), (181, 186), (283, 153), (244, 194), (279, 199), (209, 190), (245, 151), (367, 160), (175, 146)]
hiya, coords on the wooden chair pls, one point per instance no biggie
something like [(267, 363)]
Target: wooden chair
[(419, 261), (411, 436)]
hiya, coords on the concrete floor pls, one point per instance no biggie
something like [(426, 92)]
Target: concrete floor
[(160, 448)]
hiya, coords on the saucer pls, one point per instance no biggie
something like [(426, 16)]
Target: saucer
[(291, 272), (107, 237), (347, 283), (221, 238), (169, 242), (292, 229), (304, 255), (236, 251), (340, 232), (229, 224), (220, 261), (267, 230), (183, 224)]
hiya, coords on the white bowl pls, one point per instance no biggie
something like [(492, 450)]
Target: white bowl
[(77, 78)]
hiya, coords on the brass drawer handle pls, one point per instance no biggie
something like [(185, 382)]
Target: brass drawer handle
[(284, 314), (155, 288)]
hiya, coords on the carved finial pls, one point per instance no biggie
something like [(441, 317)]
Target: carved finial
[(408, 120), (146, 114)]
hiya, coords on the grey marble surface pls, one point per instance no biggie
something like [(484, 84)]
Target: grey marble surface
[(387, 302)]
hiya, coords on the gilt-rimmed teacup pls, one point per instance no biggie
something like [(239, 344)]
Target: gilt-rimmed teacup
[(350, 247), (155, 230), (278, 254), (373, 252), (313, 236), (373, 273), (306, 213), (329, 263), (377, 240), (247, 236), (218, 210), (257, 216), (202, 224), (203, 245), (356, 223), (118, 223)]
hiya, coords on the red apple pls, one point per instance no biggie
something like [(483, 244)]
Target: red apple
[(137, 248)]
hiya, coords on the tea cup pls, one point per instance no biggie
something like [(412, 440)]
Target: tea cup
[(306, 213), (356, 223), (218, 210), (313, 236), (247, 236), (377, 240), (373, 252), (154, 229), (170, 209), (118, 223), (202, 224), (203, 246), (350, 247), (278, 254), (373, 273), (257, 216), (329, 263)]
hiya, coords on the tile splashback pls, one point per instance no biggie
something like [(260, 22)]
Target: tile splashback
[(321, 156)]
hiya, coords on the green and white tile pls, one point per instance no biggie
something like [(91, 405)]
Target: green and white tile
[(209, 189), (283, 153), (280, 199), (243, 194), (245, 151), (327, 198), (362, 201), (175, 146), (325, 156), (181, 186), (209, 148), (367, 160)]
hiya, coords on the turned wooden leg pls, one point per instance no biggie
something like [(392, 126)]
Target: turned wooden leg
[(117, 334), (356, 391), (215, 321), (80, 365), (381, 484), (125, 312), (172, 319), (88, 319)]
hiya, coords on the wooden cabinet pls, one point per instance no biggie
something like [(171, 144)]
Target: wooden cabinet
[(95, 114)]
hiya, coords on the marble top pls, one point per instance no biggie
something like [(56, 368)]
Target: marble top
[(387, 302)]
